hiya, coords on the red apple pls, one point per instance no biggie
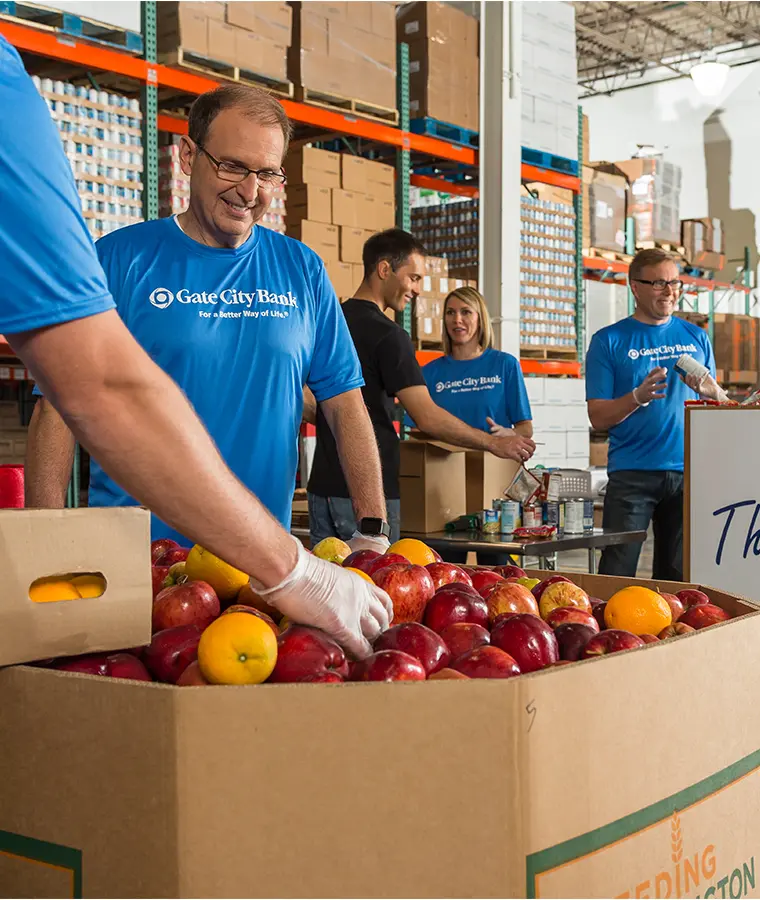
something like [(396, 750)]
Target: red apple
[(418, 641), (171, 651), (463, 636), (91, 664), (528, 640), (553, 579), (674, 629), (510, 572), (124, 665), (390, 665), (410, 588), (450, 605), (437, 556), (611, 641), (486, 662), (174, 555), (572, 637), (691, 597), (649, 638), (387, 559), (448, 675), (324, 678), (458, 587), (303, 651), (192, 676), (704, 615), (676, 607), (510, 597), (159, 575), (564, 614), (597, 610), (190, 603), (563, 594), (447, 573), (161, 546), (484, 579), (360, 558)]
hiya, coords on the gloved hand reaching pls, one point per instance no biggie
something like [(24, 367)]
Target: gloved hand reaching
[(377, 542), (319, 593)]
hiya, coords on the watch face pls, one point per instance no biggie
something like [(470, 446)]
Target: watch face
[(371, 527)]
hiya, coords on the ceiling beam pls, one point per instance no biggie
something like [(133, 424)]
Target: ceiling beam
[(707, 10), (631, 53)]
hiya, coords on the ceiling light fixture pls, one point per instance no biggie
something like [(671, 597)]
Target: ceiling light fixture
[(709, 75)]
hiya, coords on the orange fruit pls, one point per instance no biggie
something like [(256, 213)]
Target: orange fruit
[(359, 573), (226, 580), (237, 648), (89, 585), (638, 610), (248, 597), (415, 551), (51, 590)]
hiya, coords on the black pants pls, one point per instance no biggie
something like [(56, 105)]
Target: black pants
[(485, 557), (632, 501)]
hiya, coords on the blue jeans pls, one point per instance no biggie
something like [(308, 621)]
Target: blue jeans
[(334, 517), (632, 501)]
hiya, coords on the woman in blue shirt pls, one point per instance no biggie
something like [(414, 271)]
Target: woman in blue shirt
[(480, 385)]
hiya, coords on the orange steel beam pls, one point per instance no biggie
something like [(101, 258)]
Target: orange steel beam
[(549, 176), (605, 265), (171, 124), (447, 187)]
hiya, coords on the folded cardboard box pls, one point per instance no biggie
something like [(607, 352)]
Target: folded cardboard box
[(36, 544), (114, 788), (322, 238)]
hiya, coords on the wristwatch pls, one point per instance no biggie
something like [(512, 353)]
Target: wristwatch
[(374, 528)]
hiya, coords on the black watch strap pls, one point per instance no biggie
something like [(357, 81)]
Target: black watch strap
[(374, 528)]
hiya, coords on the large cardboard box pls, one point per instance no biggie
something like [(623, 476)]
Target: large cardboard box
[(222, 42), (273, 21), (703, 241), (432, 484), (487, 478), (654, 198), (258, 54), (605, 206), (347, 208), (632, 774), (322, 238), (341, 277), (308, 201), (40, 543), (308, 165), (439, 22), (352, 241), (182, 25)]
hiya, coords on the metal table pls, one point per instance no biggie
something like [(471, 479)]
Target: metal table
[(546, 550)]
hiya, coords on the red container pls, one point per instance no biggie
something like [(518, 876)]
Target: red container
[(11, 487)]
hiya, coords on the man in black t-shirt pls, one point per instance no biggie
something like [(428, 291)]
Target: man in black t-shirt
[(394, 265)]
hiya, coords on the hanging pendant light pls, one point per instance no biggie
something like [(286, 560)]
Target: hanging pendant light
[(709, 75)]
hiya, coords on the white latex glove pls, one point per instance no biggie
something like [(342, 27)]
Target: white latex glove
[(379, 543), (319, 593), (707, 387), (499, 430)]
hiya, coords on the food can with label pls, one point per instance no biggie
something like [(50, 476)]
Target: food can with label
[(490, 521), (588, 515), (573, 517), (531, 516), (553, 513), (510, 516)]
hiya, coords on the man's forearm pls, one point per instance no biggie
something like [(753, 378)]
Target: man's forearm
[(524, 428), (115, 401), (605, 414), (355, 439), (49, 457), (309, 414), (441, 425)]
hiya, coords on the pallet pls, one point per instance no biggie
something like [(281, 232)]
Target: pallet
[(454, 134), (566, 354), (75, 26), (337, 103), (695, 272), (195, 62), (544, 160), (609, 255), (667, 246), (427, 345)]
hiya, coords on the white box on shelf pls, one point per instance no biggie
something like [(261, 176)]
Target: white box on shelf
[(578, 443), (565, 391), (577, 418), (535, 388), (545, 112), (549, 420), (527, 109)]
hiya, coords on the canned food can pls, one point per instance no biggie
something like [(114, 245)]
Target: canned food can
[(510, 516), (573, 517), (553, 513), (531, 516), (490, 521), (588, 515)]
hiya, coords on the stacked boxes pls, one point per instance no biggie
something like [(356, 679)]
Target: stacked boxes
[(703, 242), (437, 284), (443, 63), (735, 341), (547, 269), (549, 79), (336, 201), (253, 37), (449, 229), (560, 422), (655, 197), (605, 200), (102, 140), (345, 50)]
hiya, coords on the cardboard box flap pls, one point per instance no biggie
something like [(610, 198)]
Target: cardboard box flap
[(38, 543), (441, 445)]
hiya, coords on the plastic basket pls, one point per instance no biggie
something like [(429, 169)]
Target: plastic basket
[(575, 484)]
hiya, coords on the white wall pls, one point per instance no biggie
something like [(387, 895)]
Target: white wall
[(124, 13)]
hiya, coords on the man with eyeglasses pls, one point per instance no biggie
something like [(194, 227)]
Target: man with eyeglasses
[(634, 393), (239, 316)]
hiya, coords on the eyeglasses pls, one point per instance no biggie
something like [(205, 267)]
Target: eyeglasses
[(660, 284), (236, 174)]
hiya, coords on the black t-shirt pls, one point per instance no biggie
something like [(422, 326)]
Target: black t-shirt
[(389, 365)]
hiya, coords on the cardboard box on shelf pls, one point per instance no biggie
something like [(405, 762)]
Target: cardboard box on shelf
[(703, 241), (341, 277), (352, 241), (358, 273), (182, 25), (735, 341), (487, 477), (309, 201), (322, 238), (273, 21), (654, 198), (605, 188), (432, 480), (37, 543), (68, 813), (222, 42), (308, 165), (348, 208), (439, 22), (260, 55)]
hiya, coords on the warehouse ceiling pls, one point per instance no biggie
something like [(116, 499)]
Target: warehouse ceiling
[(625, 45)]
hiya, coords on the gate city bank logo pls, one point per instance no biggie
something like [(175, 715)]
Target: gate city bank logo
[(162, 298), (666, 351)]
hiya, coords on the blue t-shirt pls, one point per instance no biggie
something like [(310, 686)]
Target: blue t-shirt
[(619, 359), (491, 385), (50, 271), (240, 331)]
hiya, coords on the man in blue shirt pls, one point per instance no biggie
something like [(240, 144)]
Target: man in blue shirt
[(58, 315), (634, 392)]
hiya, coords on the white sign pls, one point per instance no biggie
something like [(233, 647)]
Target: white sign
[(722, 522)]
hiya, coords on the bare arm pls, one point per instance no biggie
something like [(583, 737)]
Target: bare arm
[(309, 414), (355, 439), (114, 399), (438, 423), (49, 457), (524, 428), (605, 414)]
